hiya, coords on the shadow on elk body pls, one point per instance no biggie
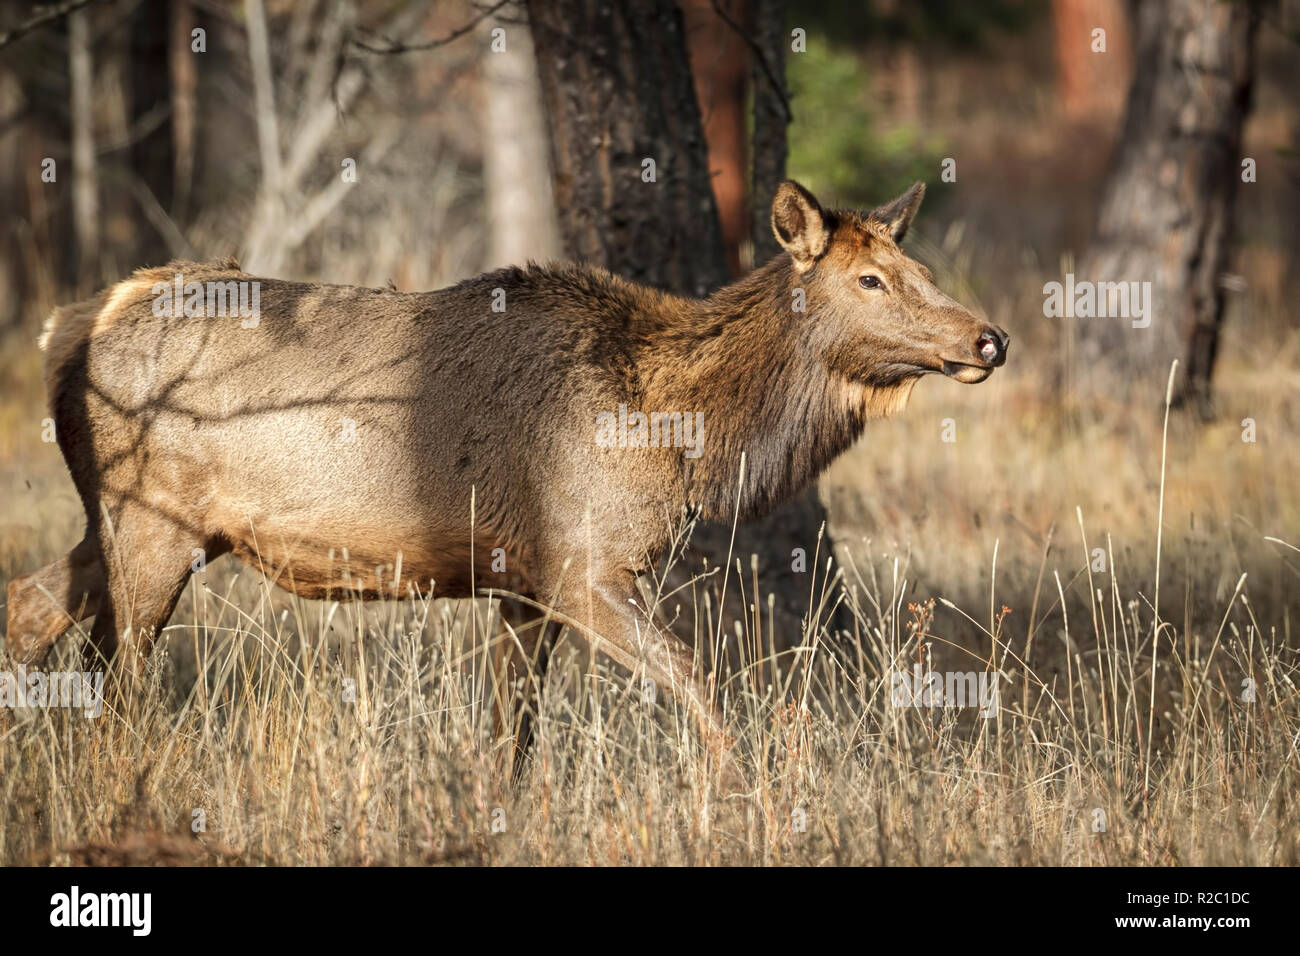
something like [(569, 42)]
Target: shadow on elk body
[(360, 422)]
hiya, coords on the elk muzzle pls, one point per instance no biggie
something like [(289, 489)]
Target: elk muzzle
[(988, 351)]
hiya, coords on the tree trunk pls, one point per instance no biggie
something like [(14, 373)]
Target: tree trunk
[(629, 161), (1089, 85), (14, 149), (516, 167), (85, 176), (771, 120), (617, 90), (151, 108), (184, 82), (1167, 208), (719, 60)]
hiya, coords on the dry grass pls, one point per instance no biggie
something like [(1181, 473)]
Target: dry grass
[(286, 769), (245, 715)]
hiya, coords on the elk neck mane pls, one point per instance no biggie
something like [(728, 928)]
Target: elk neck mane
[(739, 357)]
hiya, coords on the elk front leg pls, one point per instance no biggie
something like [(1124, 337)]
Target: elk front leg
[(616, 626)]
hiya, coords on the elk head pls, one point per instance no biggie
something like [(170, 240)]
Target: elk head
[(874, 315)]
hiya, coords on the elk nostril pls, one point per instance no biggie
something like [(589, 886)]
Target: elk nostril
[(989, 347)]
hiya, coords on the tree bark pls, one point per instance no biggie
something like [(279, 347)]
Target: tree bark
[(1167, 208), (771, 121), (719, 62), (618, 95)]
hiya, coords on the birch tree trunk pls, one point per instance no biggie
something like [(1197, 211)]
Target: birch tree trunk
[(516, 153)]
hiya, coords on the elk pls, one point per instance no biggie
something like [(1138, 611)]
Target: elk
[(524, 391)]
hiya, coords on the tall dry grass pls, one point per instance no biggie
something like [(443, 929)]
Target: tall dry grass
[(269, 756)]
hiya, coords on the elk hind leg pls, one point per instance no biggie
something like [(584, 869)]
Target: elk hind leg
[(520, 663), (148, 559), (44, 604)]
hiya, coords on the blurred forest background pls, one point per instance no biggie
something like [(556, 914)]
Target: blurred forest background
[(134, 131)]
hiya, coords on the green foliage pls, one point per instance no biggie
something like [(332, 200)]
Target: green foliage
[(836, 147)]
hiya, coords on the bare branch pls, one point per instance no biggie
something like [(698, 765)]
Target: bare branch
[(42, 18), (177, 245), (397, 46), (322, 204)]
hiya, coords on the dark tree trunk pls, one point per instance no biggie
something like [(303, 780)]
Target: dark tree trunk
[(719, 60), (151, 91), (617, 89), (771, 119), (1167, 209), (1089, 85), (183, 74)]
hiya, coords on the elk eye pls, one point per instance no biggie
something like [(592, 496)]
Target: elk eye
[(870, 282)]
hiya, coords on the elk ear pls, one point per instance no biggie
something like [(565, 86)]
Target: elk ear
[(898, 214), (802, 227)]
